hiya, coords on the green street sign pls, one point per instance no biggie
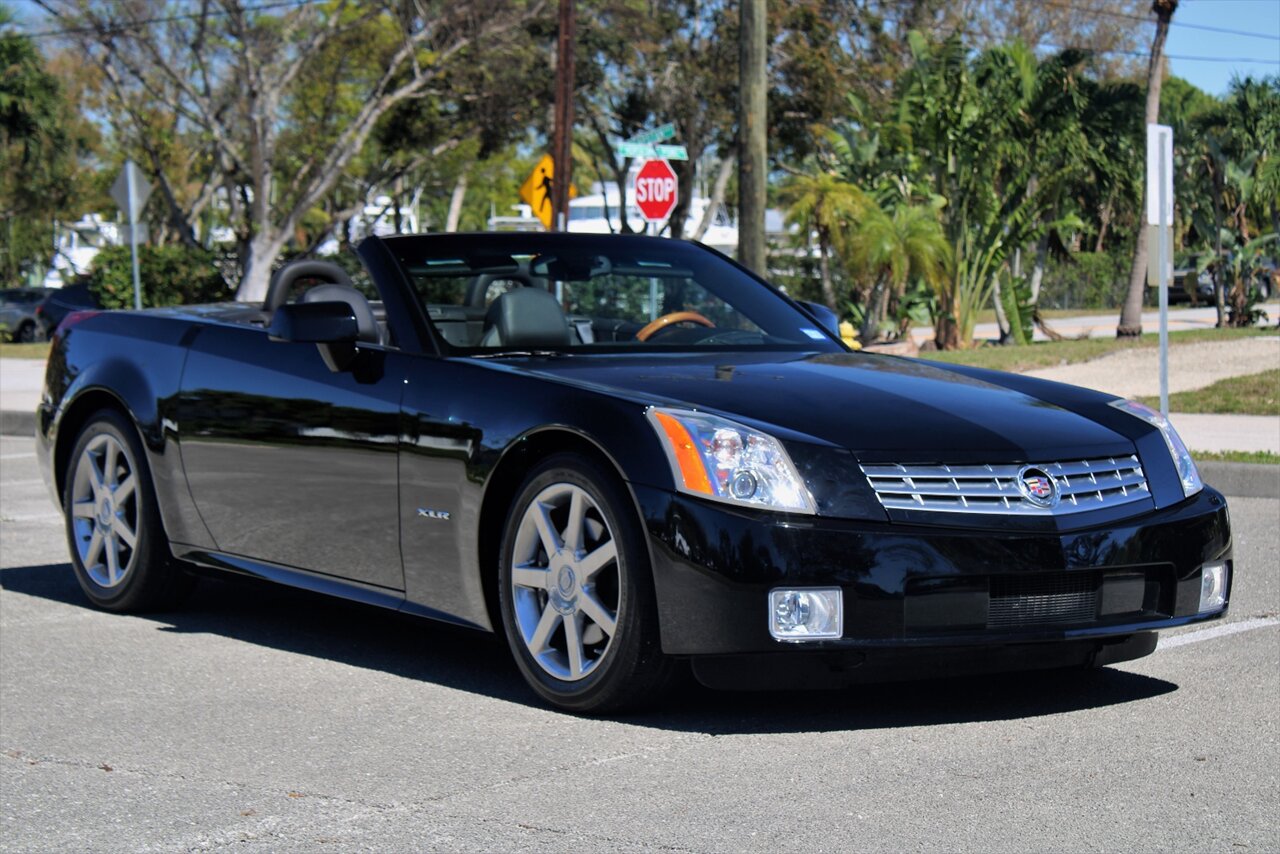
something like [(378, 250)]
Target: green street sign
[(671, 152), (634, 149), (657, 134)]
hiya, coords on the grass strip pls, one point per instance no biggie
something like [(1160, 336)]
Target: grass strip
[(1262, 457), (1254, 394), (38, 350), (1048, 354)]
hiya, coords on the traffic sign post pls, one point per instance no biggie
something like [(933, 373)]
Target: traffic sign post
[(1160, 217), (656, 190), (130, 192)]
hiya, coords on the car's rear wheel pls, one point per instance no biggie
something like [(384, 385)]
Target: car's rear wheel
[(576, 590), (118, 548), (28, 332)]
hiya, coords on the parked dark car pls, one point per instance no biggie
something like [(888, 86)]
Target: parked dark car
[(59, 302), (625, 454), (18, 320), (1191, 284)]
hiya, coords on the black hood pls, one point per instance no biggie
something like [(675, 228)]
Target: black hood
[(882, 408)]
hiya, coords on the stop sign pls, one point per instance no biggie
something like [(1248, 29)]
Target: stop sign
[(656, 190)]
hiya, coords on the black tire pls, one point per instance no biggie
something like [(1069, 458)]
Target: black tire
[(630, 667), (150, 578), (27, 333)]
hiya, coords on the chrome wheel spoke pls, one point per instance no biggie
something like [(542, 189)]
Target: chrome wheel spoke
[(112, 549), (594, 609), (542, 633), (530, 576), (598, 559), (110, 458), (122, 530), (84, 509), (94, 472), (573, 646), (124, 490), (94, 549), (573, 531), (546, 529)]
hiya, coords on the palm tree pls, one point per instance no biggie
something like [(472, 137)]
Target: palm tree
[(1131, 314), (892, 249), (825, 206)]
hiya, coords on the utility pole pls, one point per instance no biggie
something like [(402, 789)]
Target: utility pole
[(562, 142), (752, 144)]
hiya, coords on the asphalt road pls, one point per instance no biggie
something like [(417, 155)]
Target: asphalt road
[(262, 719)]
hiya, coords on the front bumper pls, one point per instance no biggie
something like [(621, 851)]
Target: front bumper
[(918, 587)]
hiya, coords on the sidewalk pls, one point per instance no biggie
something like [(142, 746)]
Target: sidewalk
[(21, 381)]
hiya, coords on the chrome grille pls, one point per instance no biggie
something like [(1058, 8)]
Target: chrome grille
[(1053, 597), (1082, 484)]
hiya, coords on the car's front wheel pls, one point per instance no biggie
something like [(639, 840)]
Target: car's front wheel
[(118, 548), (576, 590)]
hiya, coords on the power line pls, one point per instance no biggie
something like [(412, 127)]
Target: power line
[(1147, 20), (138, 23), (1184, 57)]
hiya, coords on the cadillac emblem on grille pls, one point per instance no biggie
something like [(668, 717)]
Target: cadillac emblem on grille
[(1038, 486)]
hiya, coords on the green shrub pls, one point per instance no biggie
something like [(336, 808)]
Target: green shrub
[(1087, 280), (170, 275)]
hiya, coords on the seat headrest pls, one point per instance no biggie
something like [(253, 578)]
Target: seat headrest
[(366, 323), (526, 317)]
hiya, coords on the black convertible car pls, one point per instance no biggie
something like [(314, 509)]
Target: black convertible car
[(623, 453)]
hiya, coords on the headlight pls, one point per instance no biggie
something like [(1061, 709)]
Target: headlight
[(1187, 472), (716, 458)]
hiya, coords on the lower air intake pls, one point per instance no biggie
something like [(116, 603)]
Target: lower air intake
[(1043, 599)]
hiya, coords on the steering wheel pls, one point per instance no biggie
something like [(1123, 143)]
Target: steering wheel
[(668, 319)]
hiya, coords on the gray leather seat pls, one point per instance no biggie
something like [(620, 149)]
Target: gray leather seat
[(526, 317), (366, 323)]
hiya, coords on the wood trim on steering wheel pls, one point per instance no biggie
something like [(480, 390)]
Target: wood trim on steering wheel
[(667, 319)]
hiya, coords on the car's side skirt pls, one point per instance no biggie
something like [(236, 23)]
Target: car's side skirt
[(316, 583)]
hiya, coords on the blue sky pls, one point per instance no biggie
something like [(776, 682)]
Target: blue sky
[(1261, 17)]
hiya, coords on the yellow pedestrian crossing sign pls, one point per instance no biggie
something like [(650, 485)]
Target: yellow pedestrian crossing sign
[(536, 190)]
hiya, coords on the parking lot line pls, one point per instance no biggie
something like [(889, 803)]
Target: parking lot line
[(1217, 632)]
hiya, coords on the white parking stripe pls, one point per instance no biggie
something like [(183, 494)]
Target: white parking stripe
[(16, 456), (1217, 632)]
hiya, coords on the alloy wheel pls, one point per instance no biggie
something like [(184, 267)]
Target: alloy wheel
[(565, 582), (104, 510)]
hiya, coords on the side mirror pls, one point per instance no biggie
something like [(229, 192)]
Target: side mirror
[(331, 326), (826, 318)]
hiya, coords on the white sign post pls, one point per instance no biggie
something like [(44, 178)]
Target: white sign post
[(130, 192), (1160, 215)]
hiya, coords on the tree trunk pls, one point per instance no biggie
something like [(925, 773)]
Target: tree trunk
[(753, 164), (1104, 219), (1131, 316), (717, 197), (263, 250), (876, 307), (824, 268), (1002, 320), (455, 203)]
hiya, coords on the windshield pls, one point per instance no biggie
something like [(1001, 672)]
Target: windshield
[(490, 293)]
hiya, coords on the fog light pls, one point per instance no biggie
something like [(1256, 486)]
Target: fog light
[(1213, 586), (806, 614)]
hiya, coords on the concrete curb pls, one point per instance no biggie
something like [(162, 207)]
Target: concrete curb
[(17, 423), (1242, 480)]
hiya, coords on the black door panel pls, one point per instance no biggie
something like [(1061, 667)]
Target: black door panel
[(291, 463)]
